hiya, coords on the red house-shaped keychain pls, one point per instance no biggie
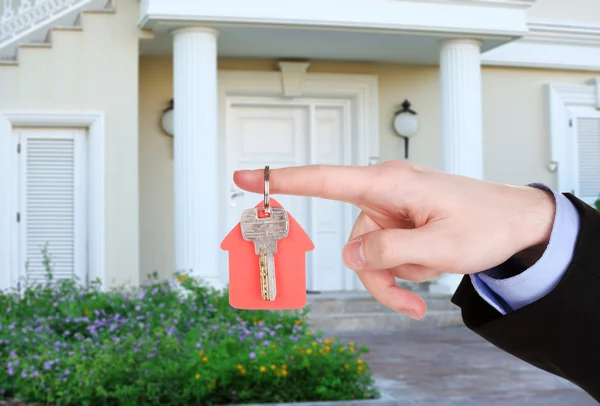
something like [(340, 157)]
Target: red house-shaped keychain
[(290, 268)]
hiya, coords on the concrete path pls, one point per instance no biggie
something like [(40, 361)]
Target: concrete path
[(453, 366)]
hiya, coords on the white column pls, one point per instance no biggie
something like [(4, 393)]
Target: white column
[(195, 152), (462, 121)]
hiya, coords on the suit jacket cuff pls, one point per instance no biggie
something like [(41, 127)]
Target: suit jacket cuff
[(505, 291)]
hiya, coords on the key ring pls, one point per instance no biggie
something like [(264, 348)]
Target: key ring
[(266, 198)]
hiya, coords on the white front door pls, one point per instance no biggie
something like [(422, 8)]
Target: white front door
[(263, 132)]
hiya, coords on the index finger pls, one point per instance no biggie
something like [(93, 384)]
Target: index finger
[(345, 183)]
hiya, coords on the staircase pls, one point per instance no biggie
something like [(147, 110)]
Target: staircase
[(358, 311), (30, 23)]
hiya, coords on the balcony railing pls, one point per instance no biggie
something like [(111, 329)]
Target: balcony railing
[(19, 18)]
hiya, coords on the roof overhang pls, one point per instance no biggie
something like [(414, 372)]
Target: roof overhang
[(362, 30)]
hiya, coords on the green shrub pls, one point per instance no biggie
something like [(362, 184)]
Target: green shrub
[(597, 204), (176, 343)]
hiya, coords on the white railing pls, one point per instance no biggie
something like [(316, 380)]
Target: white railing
[(18, 18)]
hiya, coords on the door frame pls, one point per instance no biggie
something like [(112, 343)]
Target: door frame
[(359, 91), (94, 122)]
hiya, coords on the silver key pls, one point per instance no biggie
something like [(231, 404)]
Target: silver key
[(264, 232)]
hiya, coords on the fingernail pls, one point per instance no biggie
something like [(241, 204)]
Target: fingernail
[(412, 314), (353, 255)]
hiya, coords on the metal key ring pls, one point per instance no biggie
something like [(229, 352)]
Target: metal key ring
[(266, 199)]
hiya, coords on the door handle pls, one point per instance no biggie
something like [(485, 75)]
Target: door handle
[(233, 196)]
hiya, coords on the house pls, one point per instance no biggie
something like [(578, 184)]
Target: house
[(504, 90)]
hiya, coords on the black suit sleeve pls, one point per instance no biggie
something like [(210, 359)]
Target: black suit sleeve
[(559, 333)]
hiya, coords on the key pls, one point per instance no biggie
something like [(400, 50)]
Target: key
[(264, 232)]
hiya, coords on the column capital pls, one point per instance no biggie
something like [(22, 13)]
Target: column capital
[(195, 30), (460, 42)]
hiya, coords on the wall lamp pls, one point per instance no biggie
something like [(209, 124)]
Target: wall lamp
[(167, 119), (406, 124)]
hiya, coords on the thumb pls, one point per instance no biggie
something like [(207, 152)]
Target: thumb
[(389, 248)]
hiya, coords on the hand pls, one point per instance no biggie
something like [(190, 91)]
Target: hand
[(417, 223)]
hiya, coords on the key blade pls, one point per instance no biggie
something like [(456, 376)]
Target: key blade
[(267, 276), (272, 287)]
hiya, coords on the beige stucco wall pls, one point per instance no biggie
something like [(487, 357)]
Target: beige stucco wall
[(95, 70), (582, 11), (515, 131), (516, 140)]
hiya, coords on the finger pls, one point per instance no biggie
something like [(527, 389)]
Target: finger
[(414, 273), (389, 248), (363, 225), (344, 183), (382, 285)]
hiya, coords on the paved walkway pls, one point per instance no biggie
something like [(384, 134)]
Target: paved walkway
[(453, 366)]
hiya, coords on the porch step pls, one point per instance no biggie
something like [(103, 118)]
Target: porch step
[(383, 321), (352, 311), (364, 303)]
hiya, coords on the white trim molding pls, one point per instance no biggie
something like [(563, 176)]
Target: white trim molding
[(551, 45), (479, 17), (562, 99), (596, 83), (94, 122), (519, 4)]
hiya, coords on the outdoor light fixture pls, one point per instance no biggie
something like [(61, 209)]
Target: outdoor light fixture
[(167, 119), (406, 124)]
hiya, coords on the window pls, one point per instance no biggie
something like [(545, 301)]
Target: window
[(574, 124), (51, 203), (586, 132)]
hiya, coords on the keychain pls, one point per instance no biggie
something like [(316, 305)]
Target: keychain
[(267, 258)]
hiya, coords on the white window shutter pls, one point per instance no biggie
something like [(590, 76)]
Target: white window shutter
[(588, 158), (53, 204)]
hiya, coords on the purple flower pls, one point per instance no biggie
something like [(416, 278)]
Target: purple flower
[(252, 355), (266, 343)]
